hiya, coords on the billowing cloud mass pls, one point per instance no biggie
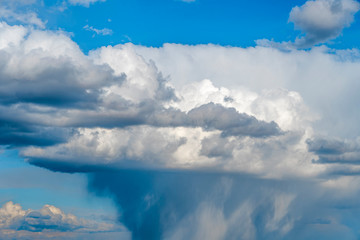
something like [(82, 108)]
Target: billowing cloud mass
[(48, 222), (114, 108), (321, 20), (191, 142)]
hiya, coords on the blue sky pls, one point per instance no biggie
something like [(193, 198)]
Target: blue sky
[(233, 23), (173, 119)]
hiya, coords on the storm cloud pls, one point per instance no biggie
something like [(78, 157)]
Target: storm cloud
[(219, 144)]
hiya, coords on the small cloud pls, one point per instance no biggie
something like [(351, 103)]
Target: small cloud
[(49, 219), (322, 20), (85, 3), (104, 31), (188, 1), (335, 151)]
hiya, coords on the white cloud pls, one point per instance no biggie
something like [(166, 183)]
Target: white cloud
[(85, 3), (19, 2), (30, 18), (177, 108), (265, 69), (322, 20), (104, 31), (49, 221), (113, 107)]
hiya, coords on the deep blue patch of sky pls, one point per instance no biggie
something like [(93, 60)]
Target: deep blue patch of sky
[(153, 23)]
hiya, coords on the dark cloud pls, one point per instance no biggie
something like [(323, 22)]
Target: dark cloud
[(203, 205), (332, 150), (217, 146), (58, 82), (322, 146), (230, 122), (33, 136), (213, 116), (157, 205)]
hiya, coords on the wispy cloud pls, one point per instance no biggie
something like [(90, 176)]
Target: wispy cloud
[(12, 15), (85, 3), (104, 31)]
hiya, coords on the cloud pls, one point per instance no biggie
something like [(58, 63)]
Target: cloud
[(336, 151), (104, 31), (85, 3), (193, 205), (30, 18), (322, 20), (164, 205), (67, 106), (192, 148), (62, 98), (266, 73), (74, 112), (49, 221)]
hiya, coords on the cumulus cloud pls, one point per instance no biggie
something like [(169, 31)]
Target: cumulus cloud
[(251, 73), (322, 20), (64, 98), (109, 108), (68, 105), (49, 221), (205, 137)]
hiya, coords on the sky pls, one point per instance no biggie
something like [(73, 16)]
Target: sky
[(179, 119)]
